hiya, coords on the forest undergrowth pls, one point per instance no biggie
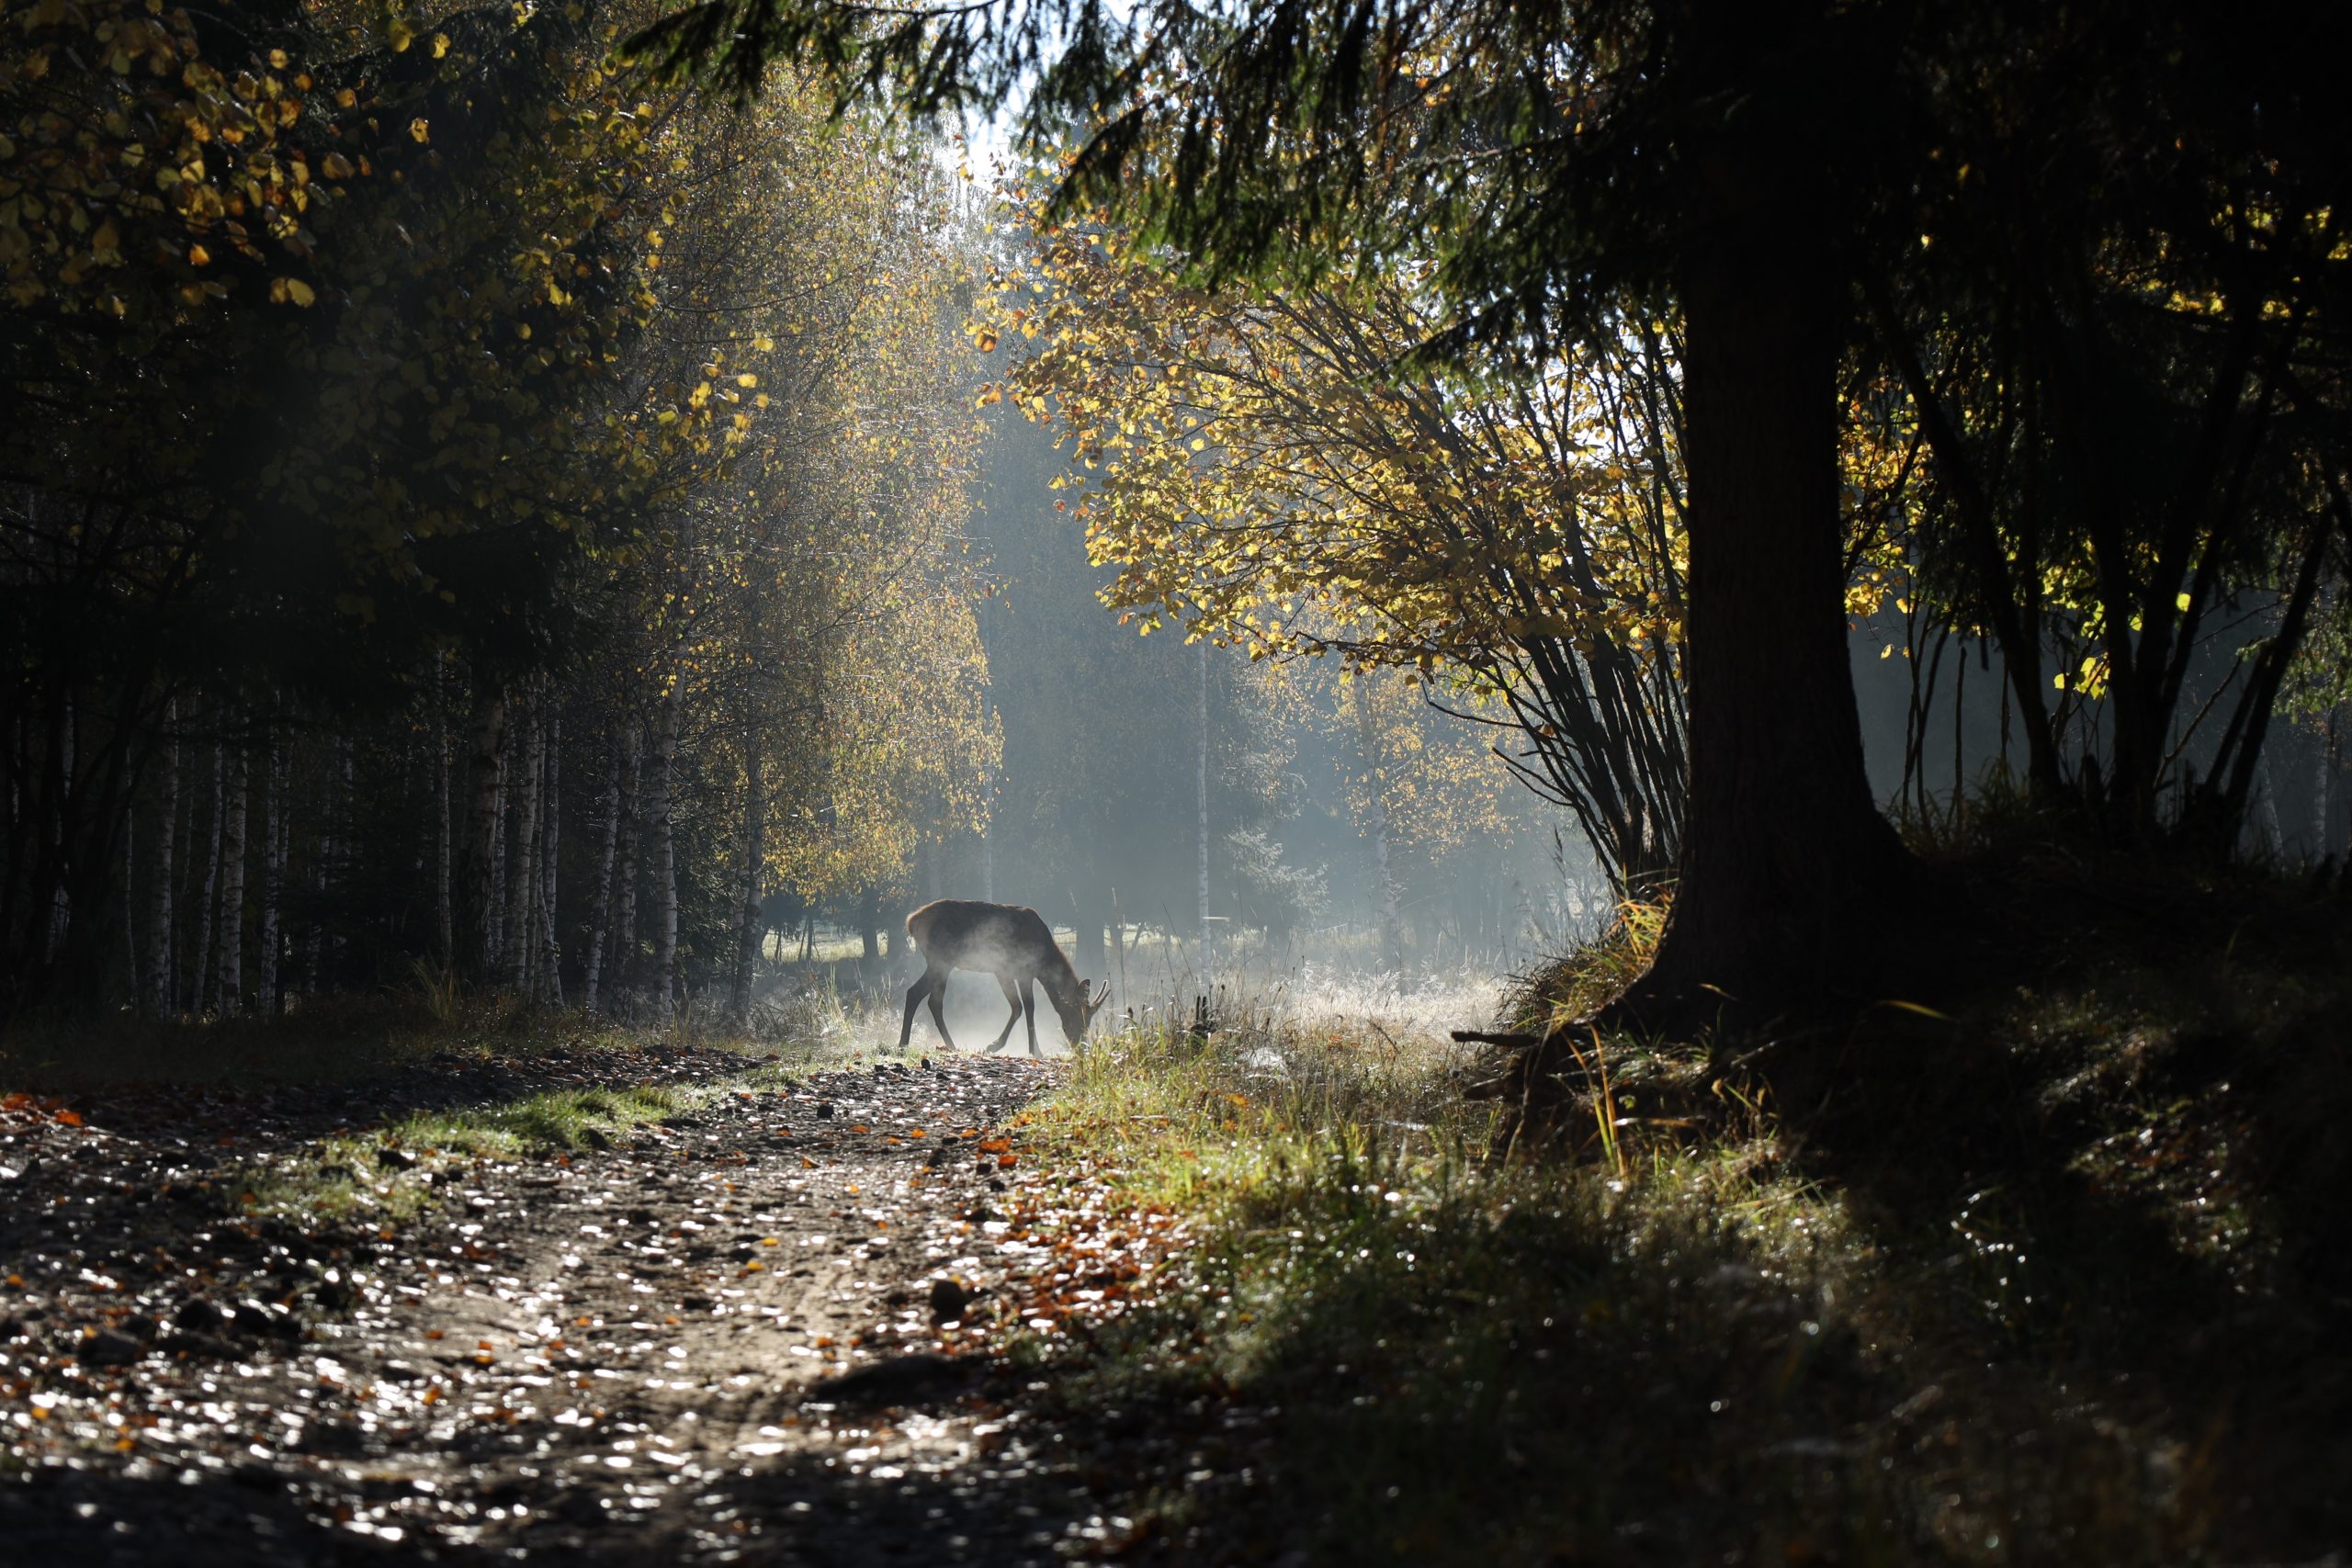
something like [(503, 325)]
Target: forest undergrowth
[(2068, 1286)]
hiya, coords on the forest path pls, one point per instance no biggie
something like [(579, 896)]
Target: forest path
[(719, 1339)]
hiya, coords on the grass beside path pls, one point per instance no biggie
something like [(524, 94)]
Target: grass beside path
[(2067, 1291), (355, 1109)]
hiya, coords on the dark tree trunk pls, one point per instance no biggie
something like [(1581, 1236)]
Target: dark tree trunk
[(478, 879), (550, 985), (445, 922), (233, 885), (131, 991), (522, 878), (199, 979), (273, 867), (624, 876), (1786, 861), (602, 927), (159, 954), (345, 810)]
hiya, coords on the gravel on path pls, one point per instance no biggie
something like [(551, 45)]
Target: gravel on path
[(748, 1333)]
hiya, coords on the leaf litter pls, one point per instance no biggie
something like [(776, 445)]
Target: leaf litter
[(769, 1324)]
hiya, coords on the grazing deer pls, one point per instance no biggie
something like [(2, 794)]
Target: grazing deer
[(1009, 941)]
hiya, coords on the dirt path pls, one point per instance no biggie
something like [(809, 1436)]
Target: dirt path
[(724, 1339)]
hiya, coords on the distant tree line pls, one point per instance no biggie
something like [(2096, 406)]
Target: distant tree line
[(2028, 313), (460, 509)]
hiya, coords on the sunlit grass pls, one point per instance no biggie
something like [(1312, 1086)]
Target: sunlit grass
[(1694, 1347), (391, 1172)]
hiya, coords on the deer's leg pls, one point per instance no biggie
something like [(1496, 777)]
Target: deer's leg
[(1014, 1003), (914, 1000), (1029, 1005), (938, 980)]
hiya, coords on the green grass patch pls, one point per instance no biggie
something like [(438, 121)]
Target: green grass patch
[(393, 1172), (390, 1173)]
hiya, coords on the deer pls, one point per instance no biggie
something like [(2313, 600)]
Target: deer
[(1007, 941)]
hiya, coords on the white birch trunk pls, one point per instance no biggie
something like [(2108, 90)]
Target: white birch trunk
[(1208, 937), (747, 938), (1392, 933)]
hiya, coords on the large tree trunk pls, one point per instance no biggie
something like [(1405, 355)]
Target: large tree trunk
[(233, 885), (665, 850), (1786, 861), (479, 881)]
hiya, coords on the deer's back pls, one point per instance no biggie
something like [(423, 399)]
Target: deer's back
[(946, 927)]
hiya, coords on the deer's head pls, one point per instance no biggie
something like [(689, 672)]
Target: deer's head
[(1078, 1011)]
